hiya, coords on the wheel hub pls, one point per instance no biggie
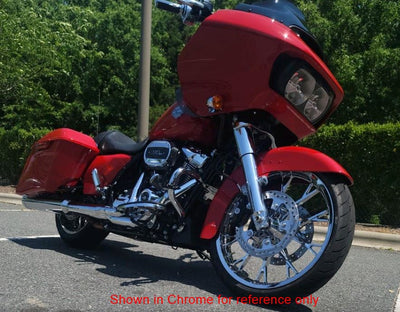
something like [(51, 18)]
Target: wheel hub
[(284, 221)]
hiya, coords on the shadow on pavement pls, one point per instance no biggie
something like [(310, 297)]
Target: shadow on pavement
[(124, 260)]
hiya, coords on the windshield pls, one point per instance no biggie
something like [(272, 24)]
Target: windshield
[(286, 13)]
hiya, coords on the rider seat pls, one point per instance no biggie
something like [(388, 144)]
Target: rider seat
[(115, 142)]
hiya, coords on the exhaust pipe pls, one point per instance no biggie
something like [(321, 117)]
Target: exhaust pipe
[(98, 212), (116, 215)]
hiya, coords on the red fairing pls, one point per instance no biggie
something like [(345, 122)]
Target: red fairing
[(108, 167), (178, 124), (56, 160), (290, 158), (236, 63)]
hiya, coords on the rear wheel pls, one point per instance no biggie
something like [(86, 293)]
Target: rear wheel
[(77, 232), (312, 225)]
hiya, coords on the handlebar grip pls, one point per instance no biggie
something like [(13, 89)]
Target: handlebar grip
[(168, 6)]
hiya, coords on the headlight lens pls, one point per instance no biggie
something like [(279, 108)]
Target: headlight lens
[(307, 95)]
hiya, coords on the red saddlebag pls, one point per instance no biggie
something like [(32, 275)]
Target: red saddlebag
[(57, 160)]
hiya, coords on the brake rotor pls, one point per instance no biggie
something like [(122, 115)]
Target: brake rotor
[(305, 235), (284, 222)]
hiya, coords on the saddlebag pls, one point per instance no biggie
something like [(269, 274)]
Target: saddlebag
[(57, 160)]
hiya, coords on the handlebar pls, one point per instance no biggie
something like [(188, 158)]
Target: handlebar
[(191, 11), (168, 6)]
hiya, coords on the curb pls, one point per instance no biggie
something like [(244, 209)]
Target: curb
[(368, 239), (10, 198), (361, 238)]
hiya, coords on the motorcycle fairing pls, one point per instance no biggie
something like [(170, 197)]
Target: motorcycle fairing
[(291, 158), (179, 123), (237, 62)]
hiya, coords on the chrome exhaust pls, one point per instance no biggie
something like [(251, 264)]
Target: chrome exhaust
[(113, 215), (117, 215)]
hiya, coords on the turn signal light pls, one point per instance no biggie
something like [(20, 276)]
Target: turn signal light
[(214, 103)]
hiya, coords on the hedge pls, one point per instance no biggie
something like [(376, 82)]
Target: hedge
[(371, 154)]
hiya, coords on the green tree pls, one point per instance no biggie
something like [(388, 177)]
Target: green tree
[(361, 41)]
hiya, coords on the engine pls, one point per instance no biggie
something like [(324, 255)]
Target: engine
[(170, 174), (169, 167)]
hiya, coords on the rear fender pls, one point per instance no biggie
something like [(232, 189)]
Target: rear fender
[(290, 158)]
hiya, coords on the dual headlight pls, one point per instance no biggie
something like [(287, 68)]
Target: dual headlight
[(305, 90)]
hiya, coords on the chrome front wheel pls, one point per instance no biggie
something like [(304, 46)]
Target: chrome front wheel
[(295, 254)]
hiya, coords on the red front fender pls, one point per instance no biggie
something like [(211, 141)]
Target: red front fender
[(290, 158)]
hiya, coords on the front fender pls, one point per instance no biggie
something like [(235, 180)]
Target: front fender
[(290, 158)]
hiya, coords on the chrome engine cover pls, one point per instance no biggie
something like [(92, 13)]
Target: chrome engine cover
[(158, 154)]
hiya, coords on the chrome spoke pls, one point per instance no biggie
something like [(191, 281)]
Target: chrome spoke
[(289, 264), (285, 187), (262, 272), (229, 243), (316, 218), (310, 247), (242, 261), (308, 194)]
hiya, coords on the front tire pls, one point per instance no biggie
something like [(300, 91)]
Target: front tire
[(289, 259), (76, 231)]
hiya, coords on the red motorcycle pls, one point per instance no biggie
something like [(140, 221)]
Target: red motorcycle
[(217, 174)]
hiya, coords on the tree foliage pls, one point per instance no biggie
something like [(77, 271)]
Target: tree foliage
[(361, 40), (75, 63)]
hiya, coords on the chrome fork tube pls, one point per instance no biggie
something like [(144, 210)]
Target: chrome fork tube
[(246, 154)]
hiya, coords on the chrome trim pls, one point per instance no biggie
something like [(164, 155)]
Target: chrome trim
[(98, 212), (120, 212), (157, 162), (246, 155), (193, 3), (184, 188), (175, 203), (136, 188), (122, 221), (172, 194), (195, 159), (141, 205), (174, 177), (116, 215), (96, 179), (178, 173), (41, 205)]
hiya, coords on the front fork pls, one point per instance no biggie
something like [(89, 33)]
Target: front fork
[(246, 154)]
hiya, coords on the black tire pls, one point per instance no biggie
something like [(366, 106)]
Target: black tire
[(325, 262), (77, 232)]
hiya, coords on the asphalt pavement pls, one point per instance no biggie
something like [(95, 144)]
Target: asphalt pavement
[(39, 273)]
